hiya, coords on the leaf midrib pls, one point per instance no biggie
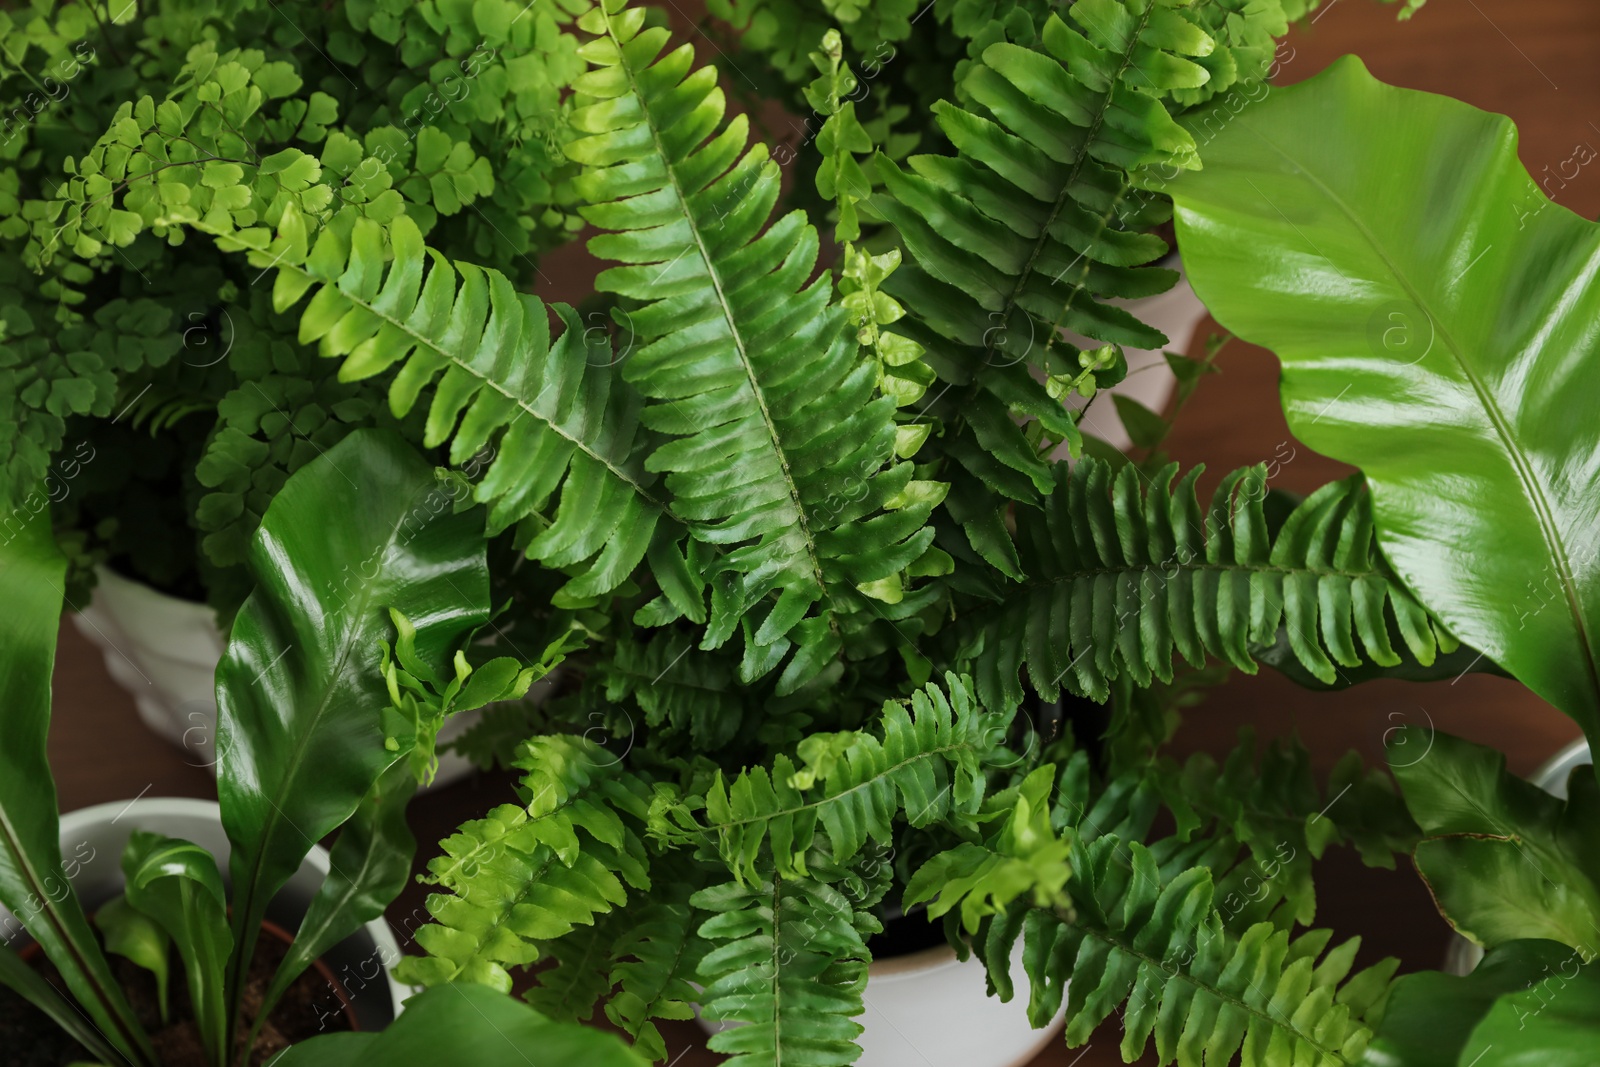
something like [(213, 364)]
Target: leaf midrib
[(1497, 418), (455, 361), (715, 275)]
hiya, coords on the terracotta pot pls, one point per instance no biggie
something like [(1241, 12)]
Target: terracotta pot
[(92, 840)]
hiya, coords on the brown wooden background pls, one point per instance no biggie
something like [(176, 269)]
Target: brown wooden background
[(1532, 59)]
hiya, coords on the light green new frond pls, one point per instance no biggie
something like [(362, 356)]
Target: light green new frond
[(1030, 227), (562, 426), (1156, 948), (789, 964), (853, 786), (1123, 576), (1023, 858), (781, 451), (534, 872)]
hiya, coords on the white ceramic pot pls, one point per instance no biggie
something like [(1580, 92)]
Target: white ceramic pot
[(929, 1009), (1462, 955), (92, 840), (1176, 313), (164, 651)]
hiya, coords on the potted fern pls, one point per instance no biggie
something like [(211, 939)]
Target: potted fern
[(152, 398), (841, 608), (306, 751)]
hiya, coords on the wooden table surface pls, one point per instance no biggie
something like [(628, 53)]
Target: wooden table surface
[(1531, 59)]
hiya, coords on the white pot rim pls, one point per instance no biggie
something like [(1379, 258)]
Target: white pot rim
[(161, 809)]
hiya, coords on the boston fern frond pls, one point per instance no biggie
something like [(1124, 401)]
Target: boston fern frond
[(1121, 576), (1031, 226), (928, 765), (564, 428), (781, 451), (523, 875), (790, 964), (1158, 949)]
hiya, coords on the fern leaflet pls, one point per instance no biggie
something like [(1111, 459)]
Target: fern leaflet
[(782, 453)]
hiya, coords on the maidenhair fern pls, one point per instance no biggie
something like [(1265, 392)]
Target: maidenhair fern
[(748, 363), (1123, 576)]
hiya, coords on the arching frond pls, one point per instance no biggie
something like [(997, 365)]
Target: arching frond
[(523, 875), (781, 451), (853, 786), (1122, 576), (1030, 227)]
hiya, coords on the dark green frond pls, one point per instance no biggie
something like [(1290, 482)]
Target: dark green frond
[(1124, 576), (1156, 948), (657, 960), (782, 450), (1031, 228)]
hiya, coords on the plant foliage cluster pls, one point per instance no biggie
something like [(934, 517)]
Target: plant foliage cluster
[(860, 619)]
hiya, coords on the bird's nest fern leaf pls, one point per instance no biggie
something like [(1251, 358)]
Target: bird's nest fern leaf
[(782, 451), (1030, 227), (1121, 576), (532, 873)]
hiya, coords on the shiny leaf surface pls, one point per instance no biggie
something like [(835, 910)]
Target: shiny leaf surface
[(467, 1024), (177, 884), (1504, 859), (1437, 321), (368, 866), (300, 699)]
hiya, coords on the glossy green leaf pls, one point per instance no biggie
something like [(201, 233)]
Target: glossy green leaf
[(1430, 1016), (33, 884), (1554, 1023), (176, 883), (135, 936), (1436, 321), (467, 1024), (1504, 859), (301, 702), (368, 866)]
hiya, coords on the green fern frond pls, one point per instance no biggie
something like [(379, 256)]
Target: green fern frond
[(1123, 576), (927, 765), (781, 452), (679, 689), (658, 959), (790, 964), (1157, 949), (579, 975), (523, 875), (1031, 226), (563, 427)]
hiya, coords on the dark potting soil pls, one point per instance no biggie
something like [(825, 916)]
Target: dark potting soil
[(28, 1037)]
